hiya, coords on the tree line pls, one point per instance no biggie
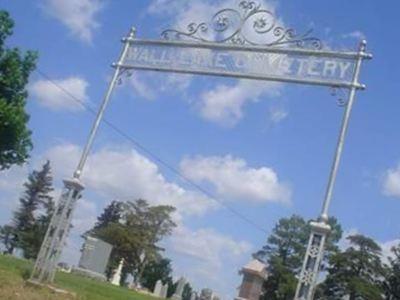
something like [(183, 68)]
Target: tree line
[(135, 229), (360, 271)]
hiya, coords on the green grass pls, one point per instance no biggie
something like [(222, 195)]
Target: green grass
[(13, 271)]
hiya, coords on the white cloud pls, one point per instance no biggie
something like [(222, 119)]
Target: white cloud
[(207, 245), (185, 11), (85, 215), (79, 16), (11, 187), (387, 249), (204, 256), (167, 7), (152, 85), (127, 175), (234, 179), (51, 95), (391, 182), (344, 242), (277, 114), (12, 179), (356, 34), (224, 104), (142, 87)]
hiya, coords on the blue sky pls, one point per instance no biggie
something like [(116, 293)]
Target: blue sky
[(262, 148)]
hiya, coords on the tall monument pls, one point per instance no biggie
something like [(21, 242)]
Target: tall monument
[(254, 275), (116, 278)]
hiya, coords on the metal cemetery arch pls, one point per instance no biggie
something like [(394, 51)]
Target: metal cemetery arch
[(246, 42)]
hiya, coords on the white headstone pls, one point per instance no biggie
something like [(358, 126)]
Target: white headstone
[(193, 296), (179, 289), (164, 291), (116, 278), (158, 288), (206, 294)]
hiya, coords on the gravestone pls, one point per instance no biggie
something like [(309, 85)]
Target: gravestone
[(179, 289), (116, 278), (206, 294), (158, 288), (94, 259), (164, 291), (193, 296)]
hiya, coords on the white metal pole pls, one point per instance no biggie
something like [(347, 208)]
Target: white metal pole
[(342, 135), (320, 230), (53, 243), (103, 106)]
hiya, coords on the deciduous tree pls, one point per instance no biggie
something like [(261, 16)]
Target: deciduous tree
[(136, 236), (15, 68), (111, 214)]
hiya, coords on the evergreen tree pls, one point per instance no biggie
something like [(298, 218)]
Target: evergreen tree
[(392, 282), (287, 242), (15, 68), (284, 254), (357, 272), (111, 214), (30, 224), (187, 291), (171, 288)]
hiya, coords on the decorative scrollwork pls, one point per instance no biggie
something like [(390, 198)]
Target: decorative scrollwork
[(249, 24), (307, 277), (340, 94), (314, 251), (126, 73)]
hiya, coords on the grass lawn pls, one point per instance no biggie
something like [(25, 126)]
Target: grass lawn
[(14, 271)]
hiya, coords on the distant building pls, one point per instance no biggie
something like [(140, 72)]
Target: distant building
[(94, 258), (254, 275)]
